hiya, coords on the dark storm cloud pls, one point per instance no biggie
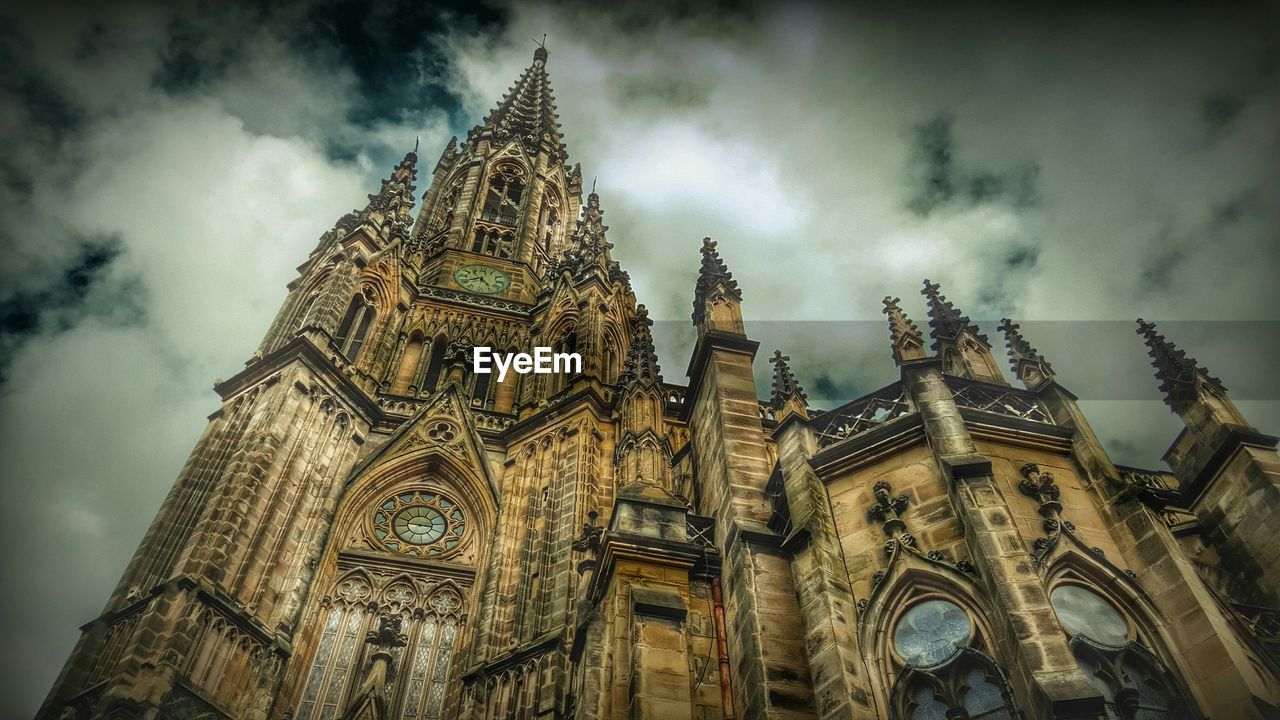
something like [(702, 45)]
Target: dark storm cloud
[(1177, 249), (50, 114), (1219, 110), (940, 181), (81, 288)]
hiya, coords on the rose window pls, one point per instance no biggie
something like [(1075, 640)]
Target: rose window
[(419, 523)]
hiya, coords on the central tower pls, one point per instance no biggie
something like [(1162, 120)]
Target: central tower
[(369, 529)]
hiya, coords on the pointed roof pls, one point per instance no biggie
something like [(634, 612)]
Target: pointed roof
[(642, 359), (589, 248), (712, 273), (1179, 375), (1021, 355), (394, 200), (945, 321), (528, 110), (785, 384), (901, 328)]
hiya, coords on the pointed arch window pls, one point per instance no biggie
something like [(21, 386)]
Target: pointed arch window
[(502, 201), (1135, 684), (432, 632), (608, 369), (432, 658), (492, 241), (504, 393), (480, 390), (409, 361), (355, 325), (300, 318), (549, 221), (331, 670), (445, 210), (434, 363), (568, 343), (943, 674)]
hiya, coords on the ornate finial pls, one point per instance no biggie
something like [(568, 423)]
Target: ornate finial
[(1028, 365), (1180, 376), (906, 341), (785, 384), (642, 359), (945, 320), (593, 184), (713, 273), (888, 509), (541, 52)]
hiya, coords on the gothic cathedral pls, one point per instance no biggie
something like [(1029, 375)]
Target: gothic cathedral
[(369, 529)]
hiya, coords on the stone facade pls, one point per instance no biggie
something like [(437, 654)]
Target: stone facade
[(367, 529)]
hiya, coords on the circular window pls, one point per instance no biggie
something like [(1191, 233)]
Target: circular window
[(1084, 612), (419, 523), (930, 632)]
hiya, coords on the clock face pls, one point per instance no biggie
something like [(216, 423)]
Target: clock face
[(482, 279), (419, 525)]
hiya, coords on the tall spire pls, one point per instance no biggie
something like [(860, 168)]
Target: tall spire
[(945, 320), (642, 359), (1029, 366), (905, 338), (964, 350), (1180, 376), (392, 203), (712, 275), (528, 110), (588, 250), (788, 397)]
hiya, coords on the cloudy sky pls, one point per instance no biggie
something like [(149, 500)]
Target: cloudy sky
[(167, 167)]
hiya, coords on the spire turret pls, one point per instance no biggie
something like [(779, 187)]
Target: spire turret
[(1181, 377), (905, 338), (716, 296), (945, 321), (588, 250), (641, 366), (528, 110), (788, 397), (389, 207), (964, 350), (1029, 366)]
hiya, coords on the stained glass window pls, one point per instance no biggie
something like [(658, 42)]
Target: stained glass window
[(419, 523), (331, 668), (927, 705), (983, 698), (930, 632), (1133, 682), (432, 656), (945, 677), (1083, 612)]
